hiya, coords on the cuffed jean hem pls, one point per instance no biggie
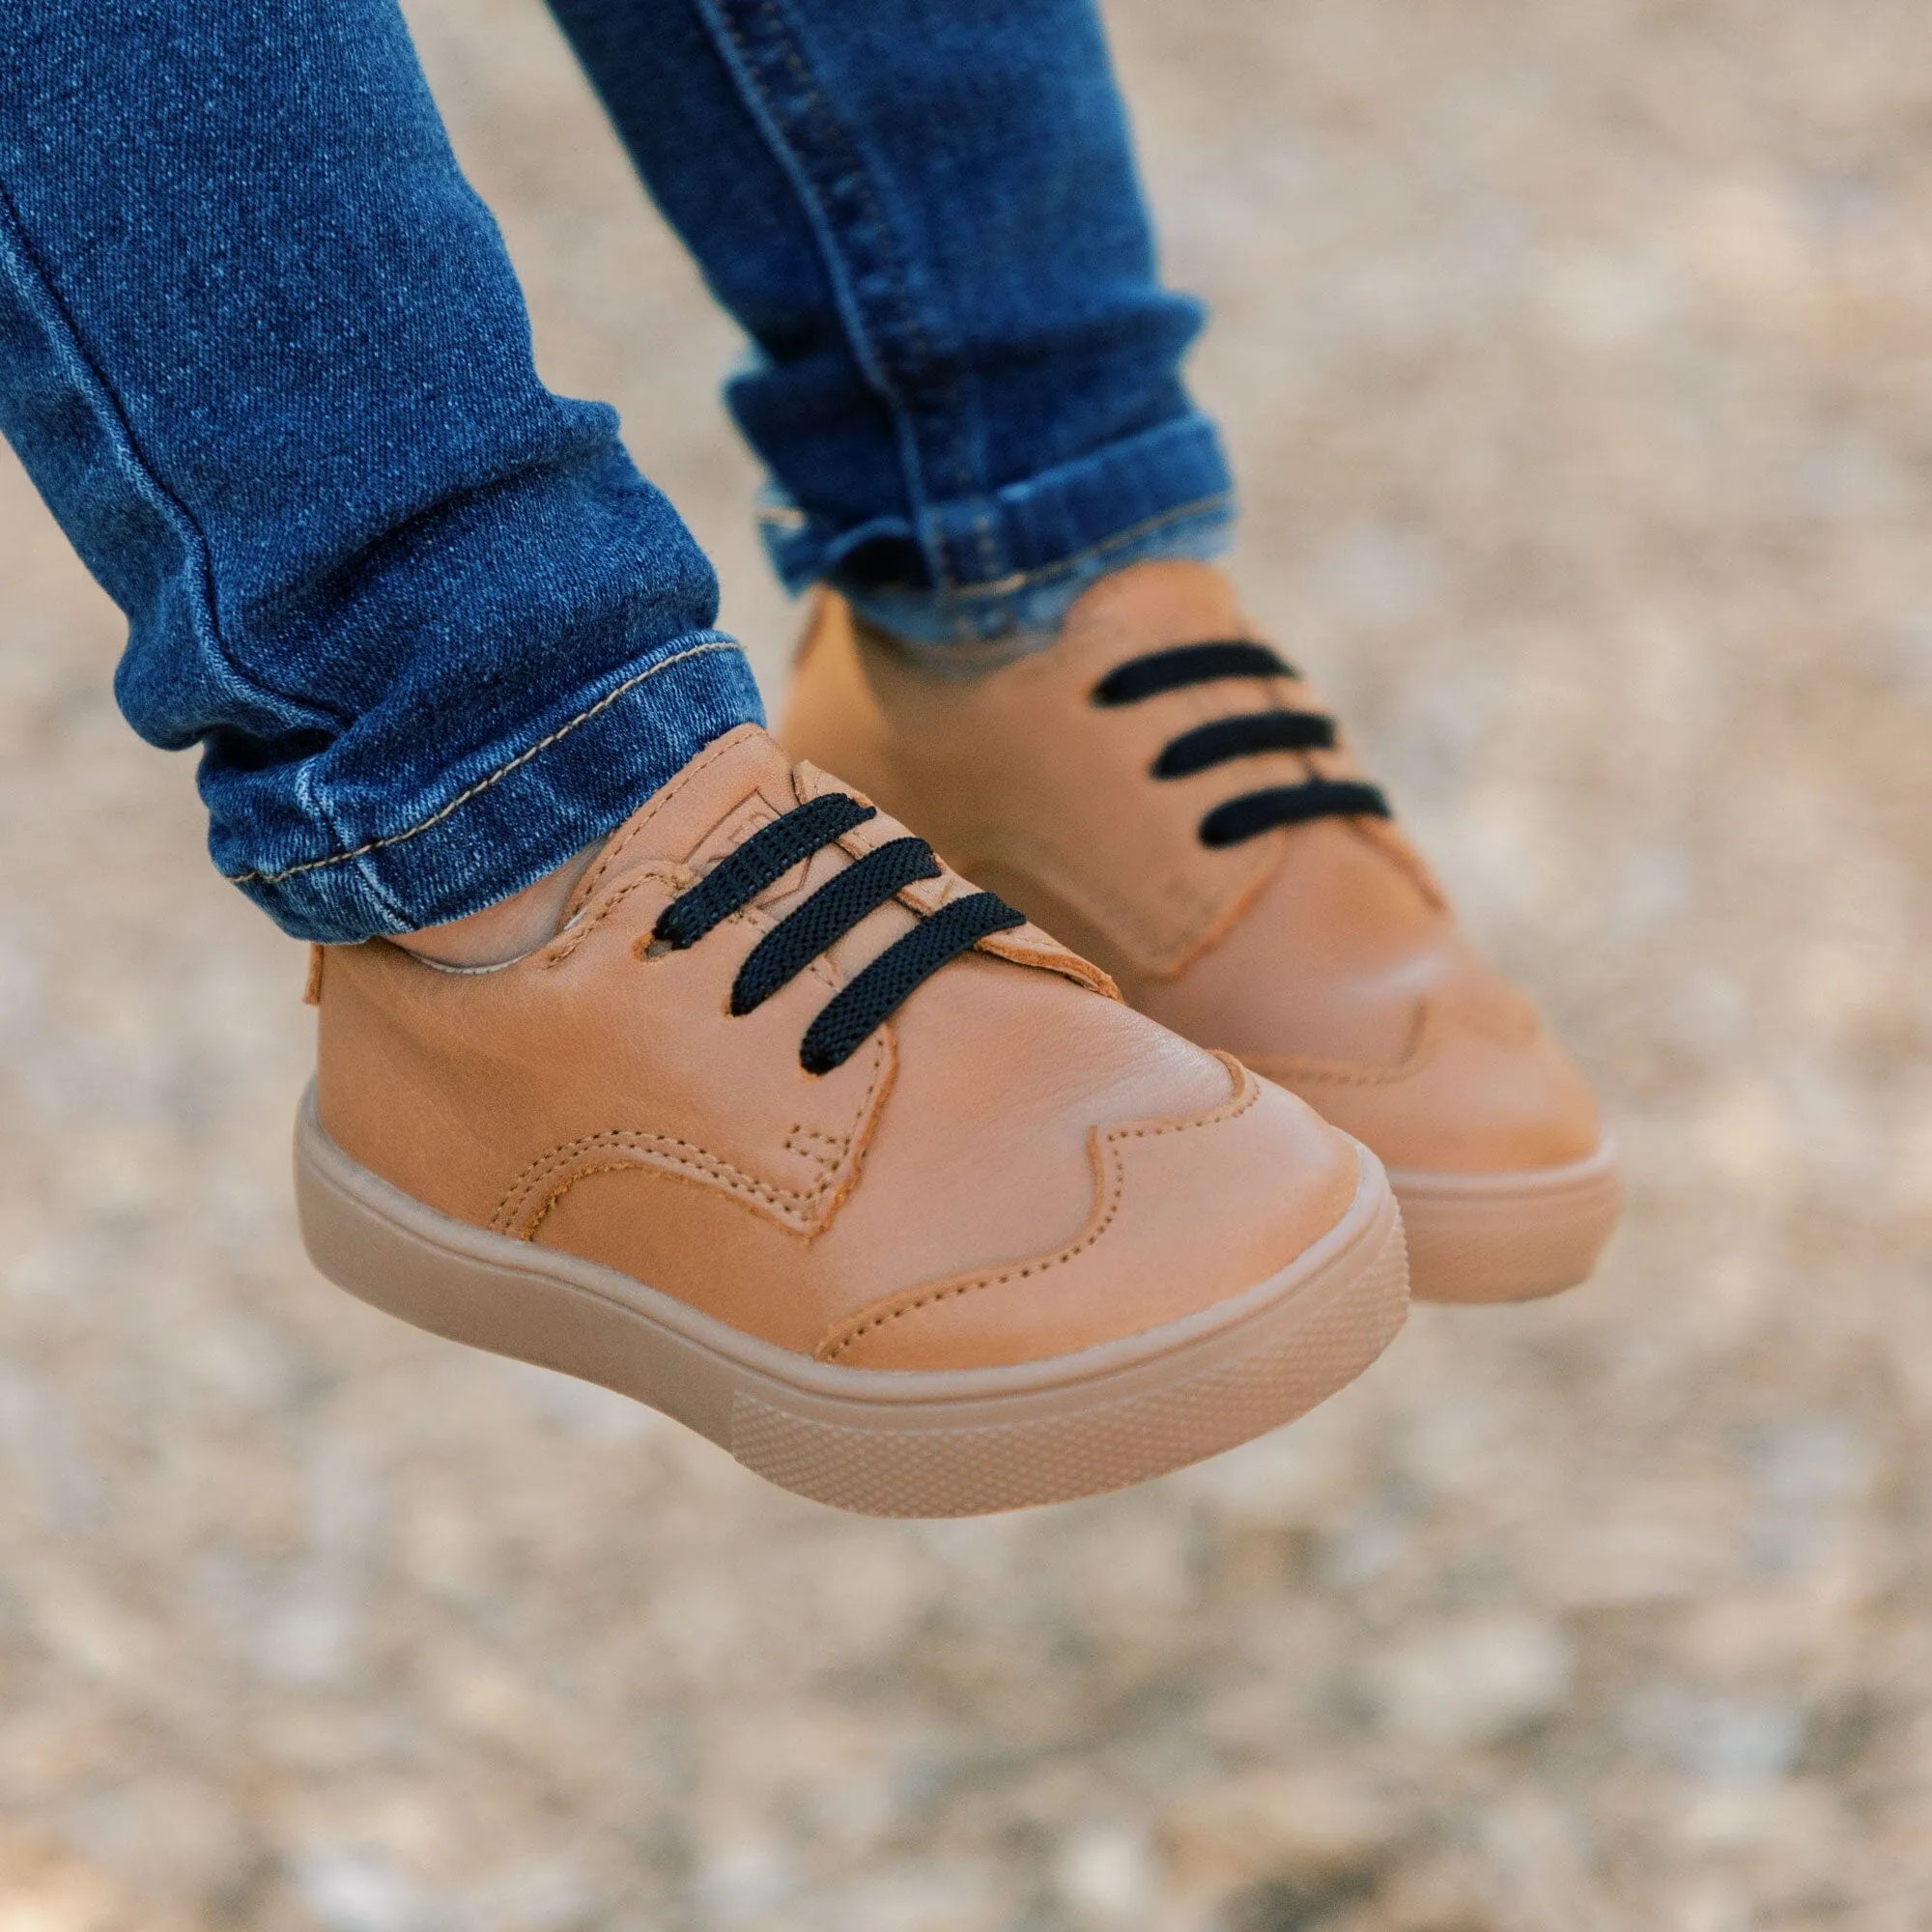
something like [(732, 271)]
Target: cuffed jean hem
[(1016, 560), (513, 811)]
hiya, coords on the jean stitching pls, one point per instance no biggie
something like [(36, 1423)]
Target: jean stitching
[(482, 784), (106, 410), (855, 172), (322, 810), (983, 533), (814, 190), (1026, 580)]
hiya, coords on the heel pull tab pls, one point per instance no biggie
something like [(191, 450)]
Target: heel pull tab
[(312, 986)]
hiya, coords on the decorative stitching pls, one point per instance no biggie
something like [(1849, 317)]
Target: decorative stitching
[(482, 784), (1436, 1016), (563, 1187), (789, 1205), (1285, 1068), (1202, 920), (837, 1143), (1046, 954), (661, 797), (647, 948), (1247, 1090), (582, 926), (697, 1159)]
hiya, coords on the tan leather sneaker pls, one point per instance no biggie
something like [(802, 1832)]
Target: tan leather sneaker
[(1158, 790), (796, 1136)]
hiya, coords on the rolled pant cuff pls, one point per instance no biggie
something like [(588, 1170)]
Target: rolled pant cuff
[(1016, 560), (506, 814)]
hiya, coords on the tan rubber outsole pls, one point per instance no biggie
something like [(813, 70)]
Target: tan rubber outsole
[(883, 1442), (1508, 1237)]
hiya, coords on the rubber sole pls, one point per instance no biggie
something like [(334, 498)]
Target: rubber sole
[(1477, 1238), (881, 1442)]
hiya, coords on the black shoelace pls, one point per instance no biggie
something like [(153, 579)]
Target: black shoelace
[(1228, 738), (873, 995)]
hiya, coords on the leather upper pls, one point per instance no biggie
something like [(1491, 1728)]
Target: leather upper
[(1016, 1165), (1323, 954)]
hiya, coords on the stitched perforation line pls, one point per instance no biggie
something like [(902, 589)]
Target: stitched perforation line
[(788, 1204), (660, 801), (674, 1150), (1436, 1016)]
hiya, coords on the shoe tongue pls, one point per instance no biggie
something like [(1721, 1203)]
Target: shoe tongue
[(735, 785), (1149, 607)]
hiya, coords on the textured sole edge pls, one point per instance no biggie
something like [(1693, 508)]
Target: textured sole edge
[(1516, 1236), (880, 1443)]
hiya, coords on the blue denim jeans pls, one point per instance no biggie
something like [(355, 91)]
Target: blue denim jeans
[(263, 355)]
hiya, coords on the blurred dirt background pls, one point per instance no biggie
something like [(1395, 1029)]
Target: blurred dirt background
[(1577, 360)]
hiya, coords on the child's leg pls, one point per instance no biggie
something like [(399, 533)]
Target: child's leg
[(926, 216), (264, 355)]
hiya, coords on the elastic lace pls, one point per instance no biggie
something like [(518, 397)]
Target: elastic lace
[(1227, 739), (873, 995)]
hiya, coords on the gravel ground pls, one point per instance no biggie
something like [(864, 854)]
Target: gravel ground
[(1577, 361)]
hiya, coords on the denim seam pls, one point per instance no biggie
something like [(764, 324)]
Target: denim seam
[(1026, 580), (716, 642), (983, 535), (91, 382), (806, 182), (856, 172), (322, 811)]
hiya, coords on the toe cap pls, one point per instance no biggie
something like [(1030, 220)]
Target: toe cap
[(1470, 1096), (1186, 1212)]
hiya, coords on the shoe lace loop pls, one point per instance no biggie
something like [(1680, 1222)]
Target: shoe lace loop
[(1227, 739), (873, 995)]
